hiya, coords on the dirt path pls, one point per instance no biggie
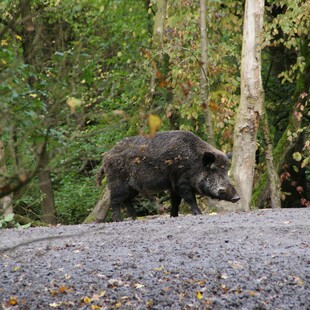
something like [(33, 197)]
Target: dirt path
[(257, 260)]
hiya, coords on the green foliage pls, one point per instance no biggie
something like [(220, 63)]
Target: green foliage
[(75, 198), (9, 222)]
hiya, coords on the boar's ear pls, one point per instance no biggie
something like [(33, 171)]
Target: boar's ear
[(208, 159)]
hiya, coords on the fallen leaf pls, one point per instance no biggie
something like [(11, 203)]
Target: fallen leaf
[(199, 295), (252, 293), (13, 301), (96, 297), (298, 280), (86, 300), (236, 265), (224, 288), (138, 285), (62, 289), (16, 268), (55, 305), (150, 303)]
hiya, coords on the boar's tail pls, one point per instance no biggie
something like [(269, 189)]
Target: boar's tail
[(100, 175)]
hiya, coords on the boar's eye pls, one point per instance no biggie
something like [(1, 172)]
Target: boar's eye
[(208, 159)]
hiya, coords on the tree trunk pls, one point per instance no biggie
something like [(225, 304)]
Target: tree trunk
[(98, 214), (251, 102), (274, 182), (204, 73)]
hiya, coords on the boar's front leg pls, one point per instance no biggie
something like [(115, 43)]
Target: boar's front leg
[(188, 195), (175, 203), (131, 211)]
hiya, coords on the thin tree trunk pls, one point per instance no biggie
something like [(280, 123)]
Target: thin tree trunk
[(48, 212), (274, 183), (157, 39), (6, 206), (251, 102), (29, 55), (159, 24), (204, 73)]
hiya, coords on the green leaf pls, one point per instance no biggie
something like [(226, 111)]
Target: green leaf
[(9, 217), (297, 156)]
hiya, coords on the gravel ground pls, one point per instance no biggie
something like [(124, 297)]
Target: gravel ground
[(256, 260)]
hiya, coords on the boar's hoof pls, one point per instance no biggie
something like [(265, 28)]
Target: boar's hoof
[(196, 212), (235, 199)]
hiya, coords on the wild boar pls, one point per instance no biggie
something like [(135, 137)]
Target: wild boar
[(177, 161)]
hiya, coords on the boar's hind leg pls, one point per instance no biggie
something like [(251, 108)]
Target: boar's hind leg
[(189, 197), (175, 202), (119, 198)]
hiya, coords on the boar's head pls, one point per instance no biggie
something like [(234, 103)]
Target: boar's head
[(213, 180)]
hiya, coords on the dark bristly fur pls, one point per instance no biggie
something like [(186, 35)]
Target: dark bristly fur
[(178, 161)]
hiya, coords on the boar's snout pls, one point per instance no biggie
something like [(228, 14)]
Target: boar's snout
[(235, 198), (228, 194)]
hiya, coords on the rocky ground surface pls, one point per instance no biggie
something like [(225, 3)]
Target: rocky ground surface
[(256, 260)]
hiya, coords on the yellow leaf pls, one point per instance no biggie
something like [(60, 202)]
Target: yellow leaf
[(33, 95), (252, 293), (13, 301), (4, 62), (305, 162), (298, 280), (86, 300), (18, 37), (73, 103), (160, 268), (154, 123), (199, 295), (4, 43)]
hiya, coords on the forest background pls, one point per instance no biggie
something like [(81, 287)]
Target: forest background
[(78, 76)]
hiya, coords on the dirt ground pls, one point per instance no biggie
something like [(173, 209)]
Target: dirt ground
[(256, 260)]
